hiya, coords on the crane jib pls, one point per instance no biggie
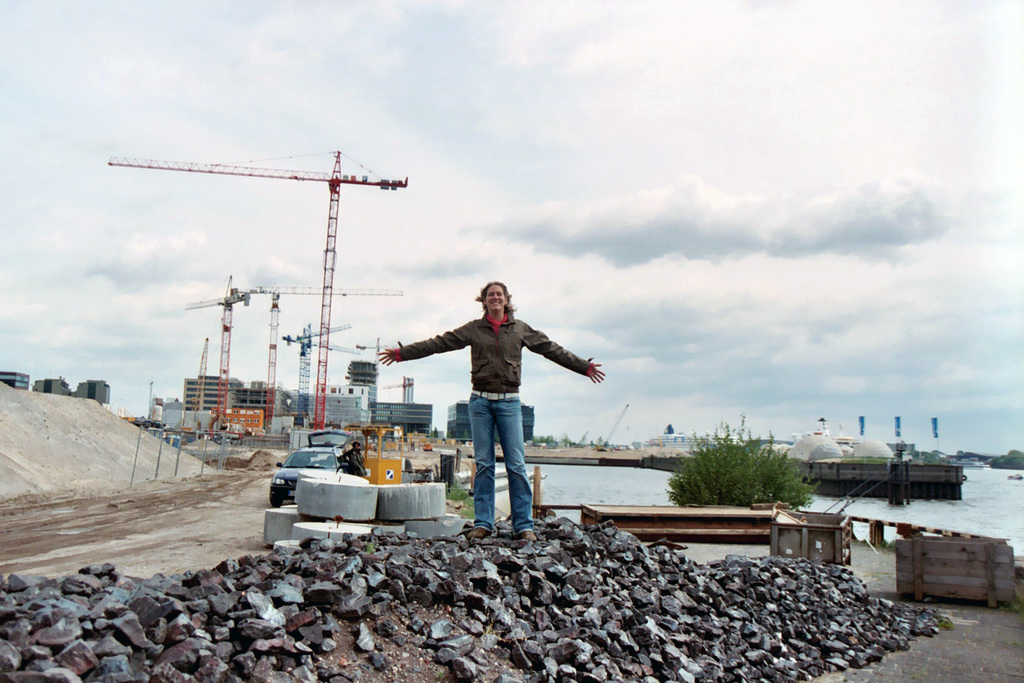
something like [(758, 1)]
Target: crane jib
[(255, 172)]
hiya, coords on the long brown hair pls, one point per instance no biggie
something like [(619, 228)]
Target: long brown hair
[(509, 308)]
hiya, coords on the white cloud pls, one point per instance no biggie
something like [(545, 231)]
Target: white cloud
[(777, 210)]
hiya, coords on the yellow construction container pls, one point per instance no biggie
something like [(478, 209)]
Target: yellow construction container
[(379, 439), (383, 471)]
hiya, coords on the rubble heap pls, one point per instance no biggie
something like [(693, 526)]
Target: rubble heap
[(581, 604)]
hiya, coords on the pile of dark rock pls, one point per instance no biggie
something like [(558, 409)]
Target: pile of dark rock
[(581, 604)]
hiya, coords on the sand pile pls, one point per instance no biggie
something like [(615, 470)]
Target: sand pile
[(50, 442), (257, 460)]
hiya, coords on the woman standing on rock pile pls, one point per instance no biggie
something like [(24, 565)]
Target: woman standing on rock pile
[(496, 344)]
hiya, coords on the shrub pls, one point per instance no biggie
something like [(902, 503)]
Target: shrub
[(734, 468)]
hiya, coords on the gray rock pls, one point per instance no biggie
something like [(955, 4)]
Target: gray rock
[(10, 657)]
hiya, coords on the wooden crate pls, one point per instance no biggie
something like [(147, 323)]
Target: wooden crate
[(814, 536), (963, 568)]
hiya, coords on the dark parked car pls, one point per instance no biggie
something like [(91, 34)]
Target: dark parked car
[(317, 458)]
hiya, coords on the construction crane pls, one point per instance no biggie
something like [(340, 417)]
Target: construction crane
[(305, 342), (228, 302), (406, 385), (275, 294), (335, 180), (197, 403), (615, 425)]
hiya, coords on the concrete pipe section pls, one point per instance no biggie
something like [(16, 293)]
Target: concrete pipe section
[(448, 525), (406, 502), (278, 522), (333, 495), (333, 530)]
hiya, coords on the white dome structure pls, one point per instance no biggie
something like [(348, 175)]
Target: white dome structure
[(872, 448), (815, 447)]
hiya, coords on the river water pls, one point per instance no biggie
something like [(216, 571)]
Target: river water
[(992, 505)]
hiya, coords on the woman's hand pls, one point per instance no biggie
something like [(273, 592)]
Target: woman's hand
[(390, 356), (595, 374)]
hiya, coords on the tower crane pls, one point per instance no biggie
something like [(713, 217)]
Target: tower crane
[(406, 385), (334, 180), (615, 425), (275, 294), (197, 403), (305, 342), (232, 297)]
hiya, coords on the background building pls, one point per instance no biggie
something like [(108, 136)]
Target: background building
[(458, 422), (413, 418), (208, 395), (173, 413), (96, 389), (15, 380), (348, 404), (52, 386), (244, 419), (254, 397), (363, 373)]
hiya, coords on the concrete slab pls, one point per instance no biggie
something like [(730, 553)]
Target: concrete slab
[(334, 530)]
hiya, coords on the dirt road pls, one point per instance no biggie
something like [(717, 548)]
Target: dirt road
[(164, 526)]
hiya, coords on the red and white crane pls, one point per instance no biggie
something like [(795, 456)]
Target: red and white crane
[(275, 293), (334, 180), (232, 297), (235, 295)]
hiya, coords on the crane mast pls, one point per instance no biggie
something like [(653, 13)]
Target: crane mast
[(334, 180), (197, 404), (268, 412), (305, 342), (330, 254), (615, 426)]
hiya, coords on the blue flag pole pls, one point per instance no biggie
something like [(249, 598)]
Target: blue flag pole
[(897, 427)]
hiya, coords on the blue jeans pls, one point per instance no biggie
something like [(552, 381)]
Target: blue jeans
[(505, 415)]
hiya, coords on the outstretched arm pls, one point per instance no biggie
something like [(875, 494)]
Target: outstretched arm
[(449, 341)]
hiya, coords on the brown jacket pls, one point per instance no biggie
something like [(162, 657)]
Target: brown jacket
[(497, 360)]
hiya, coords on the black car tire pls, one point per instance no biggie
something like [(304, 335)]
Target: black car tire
[(276, 501)]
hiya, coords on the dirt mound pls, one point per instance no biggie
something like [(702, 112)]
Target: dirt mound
[(50, 442), (257, 460)]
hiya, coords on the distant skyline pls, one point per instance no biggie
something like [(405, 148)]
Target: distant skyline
[(782, 211)]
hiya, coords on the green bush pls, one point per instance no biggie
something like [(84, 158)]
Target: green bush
[(734, 468)]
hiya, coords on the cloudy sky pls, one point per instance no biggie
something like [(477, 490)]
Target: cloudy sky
[(782, 211)]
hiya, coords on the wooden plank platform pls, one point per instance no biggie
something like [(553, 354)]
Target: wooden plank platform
[(697, 524)]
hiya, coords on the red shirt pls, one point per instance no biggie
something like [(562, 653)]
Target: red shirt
[(496, 324)]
